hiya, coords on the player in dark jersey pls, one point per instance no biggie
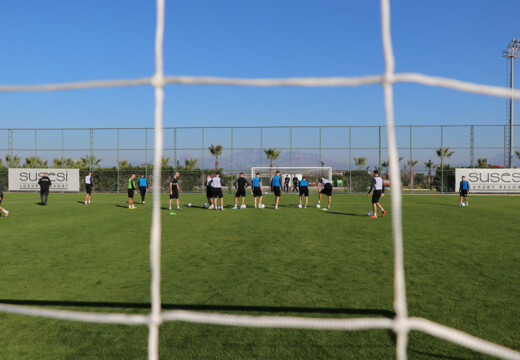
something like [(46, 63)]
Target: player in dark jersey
[(45, 185), (327, 190), (174, 190), (1, 198), (304, 190), (209, 190), (257, 189), (131, 190), (463, 191), (379, 190), (240, 184), (286, 182), (295, 183), (276, 187)]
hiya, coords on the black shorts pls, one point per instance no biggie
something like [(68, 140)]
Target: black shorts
[(327, 189), (209, 192), (217, 193), (277, 191), (241, 192), (88, 189), (304, 191), (376, 196), (174, 195), (1, 197), (130, 193), (463, 192), (257, 191)]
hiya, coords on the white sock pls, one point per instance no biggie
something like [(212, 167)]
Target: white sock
[(5, 211)]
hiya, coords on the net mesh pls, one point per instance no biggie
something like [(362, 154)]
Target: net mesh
[(401, 324)]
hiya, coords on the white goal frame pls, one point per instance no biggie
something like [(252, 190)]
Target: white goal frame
[(401, 325)]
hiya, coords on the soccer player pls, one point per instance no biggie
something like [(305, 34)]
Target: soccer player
[(464, 190), (327, 189), (209, 190), (174, 190), (304, 190), (295, 183), (1, 198), (217, 192), (45, 184), (143, 187), (257, 189), (276, 188), (240, 184), (131, 190), (379, 190), (89, 186), (286, 182)]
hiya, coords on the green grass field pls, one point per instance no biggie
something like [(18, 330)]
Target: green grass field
[(462, 270)]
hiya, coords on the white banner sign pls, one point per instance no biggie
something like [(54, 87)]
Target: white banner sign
[(489, 180), (27, 179)]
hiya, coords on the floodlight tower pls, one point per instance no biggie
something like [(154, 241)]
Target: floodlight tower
[(511, 53)]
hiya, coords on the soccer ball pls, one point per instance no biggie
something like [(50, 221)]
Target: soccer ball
[(243, 206), (462, 204), (205, 206), (318, 206), (324, 209), (189, 205), (261, 206), (369, 213), (299, 206)]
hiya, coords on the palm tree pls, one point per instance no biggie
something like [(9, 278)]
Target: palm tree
[(62, 162), (444, 153), (34, 162), (430, 165), (88, 161), (191, 163), (517, 154), (123, 164), (411, 164), (482, 163), (272, 154), (12, 160), (360, 162), (165, 161), (385, 165), (216, 151)]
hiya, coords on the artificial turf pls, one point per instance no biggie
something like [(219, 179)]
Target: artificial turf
[(462, 270)]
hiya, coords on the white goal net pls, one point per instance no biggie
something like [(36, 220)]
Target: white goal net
[(401, 324)]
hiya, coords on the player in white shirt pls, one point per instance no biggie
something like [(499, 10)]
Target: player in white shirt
[(327, 189), (216, 184), (379, 190), (89, 185)]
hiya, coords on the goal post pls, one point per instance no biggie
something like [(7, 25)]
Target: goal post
[(312, 174)]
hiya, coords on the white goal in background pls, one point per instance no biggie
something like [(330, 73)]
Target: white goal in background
[(311, 173), (402, 324)]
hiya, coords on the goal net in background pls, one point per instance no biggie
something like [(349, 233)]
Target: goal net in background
[(312, 175), (401, 325)]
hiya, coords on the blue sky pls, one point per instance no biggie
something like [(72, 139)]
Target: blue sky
[(56, 41)]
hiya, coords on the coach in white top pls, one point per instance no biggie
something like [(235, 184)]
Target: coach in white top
[(89, 185)]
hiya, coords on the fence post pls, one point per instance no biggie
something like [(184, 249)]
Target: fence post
[(379, 165), (350, 159), (232, 173), (202, 147), (62, 148), (411, 161), (261, 147), (35, 147), (118, 161), (290, 147), (146, 154), (472, 145), (442, 160)]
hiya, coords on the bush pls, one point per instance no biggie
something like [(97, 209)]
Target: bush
[(360, 180), (447, 174)]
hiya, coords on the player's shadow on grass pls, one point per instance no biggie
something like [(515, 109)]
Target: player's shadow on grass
[(39, 203), (122, 206), (202, 307), (342, 213)]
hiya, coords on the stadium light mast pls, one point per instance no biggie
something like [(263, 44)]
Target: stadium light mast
[(511, 53)]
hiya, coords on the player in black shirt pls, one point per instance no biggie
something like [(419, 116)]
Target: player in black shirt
[(1, 198), (295, 184), (286, 182), (45, 184), (240, 184), (175, 190)]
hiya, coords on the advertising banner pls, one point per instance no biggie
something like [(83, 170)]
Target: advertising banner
[(27, 179), (489, 180)]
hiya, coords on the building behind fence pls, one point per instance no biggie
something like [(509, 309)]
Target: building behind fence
[(429, 152)]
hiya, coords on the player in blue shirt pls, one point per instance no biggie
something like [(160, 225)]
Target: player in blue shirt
[(276, 187), (257, 189), (464, 190), (304, 190), (143, 187)]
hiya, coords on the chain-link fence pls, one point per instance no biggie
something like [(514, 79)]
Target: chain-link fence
[(428, 153)]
